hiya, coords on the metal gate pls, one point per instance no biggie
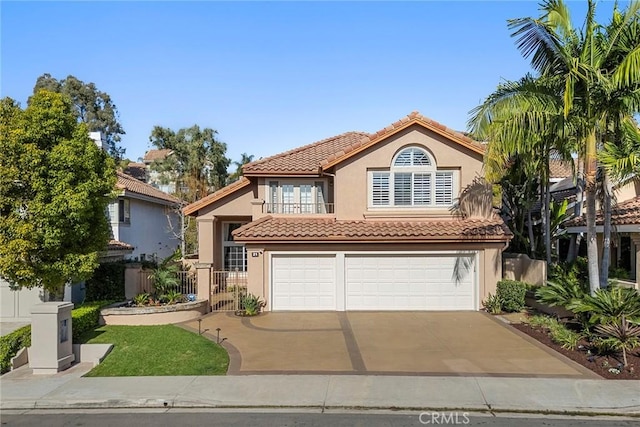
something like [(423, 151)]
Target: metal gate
[(227, 289)]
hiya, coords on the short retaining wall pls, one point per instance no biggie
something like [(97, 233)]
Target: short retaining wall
[(153, 315), (524, 269)]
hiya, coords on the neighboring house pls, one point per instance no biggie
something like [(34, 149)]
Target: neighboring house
[(137, 170), (625, 221), (164, 181), (145, 218), (357, 222)]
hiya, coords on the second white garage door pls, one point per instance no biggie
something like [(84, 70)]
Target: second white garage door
[(304, 282), (403, 282)]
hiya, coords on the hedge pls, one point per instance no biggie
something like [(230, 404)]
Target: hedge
[(107, 282), (84, 319), (511, 293)]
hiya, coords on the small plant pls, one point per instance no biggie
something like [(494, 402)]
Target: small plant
[(251, 304), (567, 338), (621, 336), (560, 294), (543, 321), (165, 276), (142, 299), (173, 297), (610, 305), (511, 293), (492, 304)]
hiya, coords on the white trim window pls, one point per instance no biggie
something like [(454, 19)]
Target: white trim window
[(296, 197), (234, 255), (124, 211), (413, 180)]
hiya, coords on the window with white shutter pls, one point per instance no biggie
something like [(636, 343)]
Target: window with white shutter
[(413, 180)]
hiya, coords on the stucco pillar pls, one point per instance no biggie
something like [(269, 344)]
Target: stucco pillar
[(205, 240), (255, 271), (204, 282), (257, 210), (51, 337)]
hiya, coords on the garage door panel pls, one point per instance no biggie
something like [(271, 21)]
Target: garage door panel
[(303, 282), (406, 282)]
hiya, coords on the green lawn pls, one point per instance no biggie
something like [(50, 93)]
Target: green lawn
[(156, 350)]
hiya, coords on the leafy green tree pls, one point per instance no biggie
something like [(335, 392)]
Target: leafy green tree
[(198, 163), (92, 106), (55, 185)]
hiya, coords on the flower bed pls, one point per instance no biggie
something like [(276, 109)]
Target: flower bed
[(121, 314)]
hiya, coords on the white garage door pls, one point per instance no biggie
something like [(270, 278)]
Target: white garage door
[(303, 282), (404, 282), (16, 305)]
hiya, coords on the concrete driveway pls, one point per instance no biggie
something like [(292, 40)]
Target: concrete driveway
[(398, 343)]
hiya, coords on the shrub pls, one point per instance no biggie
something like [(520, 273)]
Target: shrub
[(141, 299), (618, 273), (11, 343), (572, 274), (84, 318), (511, 293), (251, 304), (492, 304), (107, 282), (559, 333), (621, 336), (610, 305)]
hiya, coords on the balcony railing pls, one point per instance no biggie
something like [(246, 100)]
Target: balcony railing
[(298, 208)]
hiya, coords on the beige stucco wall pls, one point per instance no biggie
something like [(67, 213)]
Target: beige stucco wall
[(489, 261), (351, 186), (628, 191)]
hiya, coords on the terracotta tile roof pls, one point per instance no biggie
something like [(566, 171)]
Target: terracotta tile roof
[(303, 160), (413, 118), (199, 204), (624, 213), (116, 245), (132, 185), (153, 155), (137, 170), (328, 229), (331, 151)]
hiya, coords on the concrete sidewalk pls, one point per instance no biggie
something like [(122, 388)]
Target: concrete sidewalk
[(534, 395)]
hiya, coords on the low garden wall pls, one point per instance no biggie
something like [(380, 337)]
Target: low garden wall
[(153, 315)]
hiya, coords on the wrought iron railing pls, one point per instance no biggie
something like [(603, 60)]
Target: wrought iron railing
[(298, 208), (227, 289)]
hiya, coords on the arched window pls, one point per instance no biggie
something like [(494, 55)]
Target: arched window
[(412, 180)]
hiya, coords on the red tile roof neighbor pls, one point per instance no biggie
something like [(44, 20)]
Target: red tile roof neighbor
[(199, 204), (299, 229), (303, 160), (559, 168), (136, 170), (130, 184), (624, 213), (116, 245), (152, 155)]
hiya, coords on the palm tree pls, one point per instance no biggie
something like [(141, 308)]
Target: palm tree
[(524, 119), (244, 159), (585, 64)]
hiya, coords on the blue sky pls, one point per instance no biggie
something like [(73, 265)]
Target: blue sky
[(268, 76)]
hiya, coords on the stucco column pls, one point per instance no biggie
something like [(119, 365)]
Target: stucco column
[(257, 210), (204, 282)]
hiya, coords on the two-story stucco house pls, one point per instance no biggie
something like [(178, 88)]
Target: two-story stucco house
[(145, 218), (357, 222)]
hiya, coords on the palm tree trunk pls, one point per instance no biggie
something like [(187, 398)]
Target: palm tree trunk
[(532, 243), (606, 241), (546, 214), (590, 195)]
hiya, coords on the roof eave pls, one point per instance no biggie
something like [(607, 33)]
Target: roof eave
[(395, 131)]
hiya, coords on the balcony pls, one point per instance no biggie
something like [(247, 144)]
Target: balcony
[(298, 208)]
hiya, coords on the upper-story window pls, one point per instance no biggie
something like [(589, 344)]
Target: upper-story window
[(297, 198), (124, 211), (413, 180)]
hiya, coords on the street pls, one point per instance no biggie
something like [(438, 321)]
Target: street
[(281, 419)]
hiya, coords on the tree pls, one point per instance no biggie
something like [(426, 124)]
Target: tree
[(55, 185), (92, 106), (198, 162), (593, 67), (524, 124), (244, 159), (198, 165)]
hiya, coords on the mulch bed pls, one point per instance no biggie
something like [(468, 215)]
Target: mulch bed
[(600, 364)]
